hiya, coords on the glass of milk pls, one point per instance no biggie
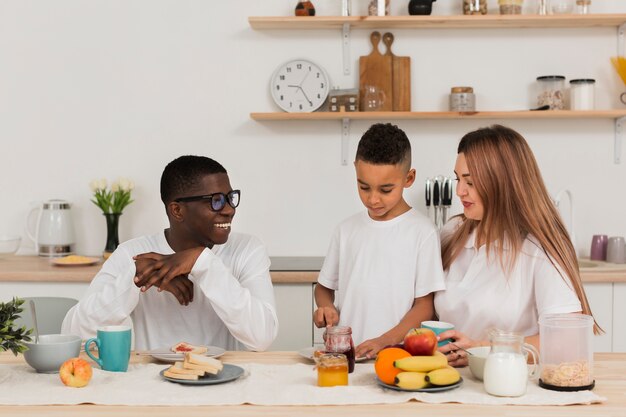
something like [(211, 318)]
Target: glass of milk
[(506, 370)]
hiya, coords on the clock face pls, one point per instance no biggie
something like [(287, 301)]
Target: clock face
[(299, 86)]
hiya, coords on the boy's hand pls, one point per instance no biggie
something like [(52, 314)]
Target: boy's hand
[(370, 348), (326, 316), (158, 270)]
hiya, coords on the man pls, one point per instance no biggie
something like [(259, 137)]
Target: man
[(193, 282)]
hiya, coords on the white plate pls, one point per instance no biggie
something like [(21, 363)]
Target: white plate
[(307, 353), (166, 355), (427, 389)]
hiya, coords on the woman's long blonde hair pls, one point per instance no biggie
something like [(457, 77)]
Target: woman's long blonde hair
[(516, 204)]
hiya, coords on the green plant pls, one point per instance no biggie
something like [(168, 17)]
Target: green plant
[(12, 338), (112, 200)]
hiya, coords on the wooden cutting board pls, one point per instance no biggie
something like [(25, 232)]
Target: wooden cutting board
[(375, 70), (400, 76)]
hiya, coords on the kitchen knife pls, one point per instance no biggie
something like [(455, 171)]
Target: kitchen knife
[(436, 200), (446, 198), (428, 195)]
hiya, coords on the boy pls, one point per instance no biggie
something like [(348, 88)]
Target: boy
[(385, 263), (221, 292)]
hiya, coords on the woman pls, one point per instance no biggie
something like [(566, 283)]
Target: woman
[(508, 258)]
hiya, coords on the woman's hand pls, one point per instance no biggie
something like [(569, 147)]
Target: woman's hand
[(326, 316), (370, 348), (457, 357)]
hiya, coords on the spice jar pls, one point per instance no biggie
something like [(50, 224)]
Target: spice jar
[(339, 340), (474, 6), (566, 342), (332, 370), (462, 99), (551, 91), (582, 94), (510, 6), (582, 6)]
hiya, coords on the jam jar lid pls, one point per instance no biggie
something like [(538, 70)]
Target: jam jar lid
[(583, 81), (461, 90)]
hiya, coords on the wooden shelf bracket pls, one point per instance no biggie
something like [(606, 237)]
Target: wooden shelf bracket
[(619, 136)]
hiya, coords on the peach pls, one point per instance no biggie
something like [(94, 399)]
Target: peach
[(75, 372)]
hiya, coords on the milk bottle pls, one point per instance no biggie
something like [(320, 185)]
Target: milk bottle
[(506, 372)]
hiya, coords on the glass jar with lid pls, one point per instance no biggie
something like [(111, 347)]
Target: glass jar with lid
[(551, 91), (582, 94), (474, 6), (338, 339), (510, 6), (582, 6), (462, 99), (566, 343), (332, 370)]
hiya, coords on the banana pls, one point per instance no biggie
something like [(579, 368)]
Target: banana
[(421, 363), (411, 380), (443, 376)]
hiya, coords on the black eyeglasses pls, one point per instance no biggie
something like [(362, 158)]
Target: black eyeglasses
[(218, 200)]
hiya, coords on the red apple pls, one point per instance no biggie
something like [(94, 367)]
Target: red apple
[(420, 342), (75, 372)]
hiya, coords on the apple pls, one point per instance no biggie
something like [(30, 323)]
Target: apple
[(420, 342), (75, 372)]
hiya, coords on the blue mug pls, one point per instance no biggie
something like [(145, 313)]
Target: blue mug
[(438, 327), (113, 348)]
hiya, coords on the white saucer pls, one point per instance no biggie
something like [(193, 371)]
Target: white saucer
[(166, 355)]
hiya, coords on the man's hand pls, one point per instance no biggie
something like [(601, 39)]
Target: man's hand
[(182, 288), (158, 270), (326, 316)]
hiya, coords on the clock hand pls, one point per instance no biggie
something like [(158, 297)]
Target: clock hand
[(305, 96), (302, 82)]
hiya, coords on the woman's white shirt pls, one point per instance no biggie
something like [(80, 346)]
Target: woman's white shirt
[(480, 296)]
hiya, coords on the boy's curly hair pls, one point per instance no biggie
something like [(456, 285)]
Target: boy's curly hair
[(384, 144)]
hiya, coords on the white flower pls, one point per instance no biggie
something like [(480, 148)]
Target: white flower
[(125, 184), (115, 187), (97, 185), (102, 184)]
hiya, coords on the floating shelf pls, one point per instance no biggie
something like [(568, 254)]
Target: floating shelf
[(394, 115), (438, 22), (618, 116)]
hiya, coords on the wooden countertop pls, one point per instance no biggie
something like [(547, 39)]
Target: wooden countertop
[(609, 372), (39, 269)]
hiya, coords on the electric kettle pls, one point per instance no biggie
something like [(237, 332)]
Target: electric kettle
[(54, 230)]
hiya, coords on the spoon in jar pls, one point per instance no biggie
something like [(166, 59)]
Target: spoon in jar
[(33, 312)]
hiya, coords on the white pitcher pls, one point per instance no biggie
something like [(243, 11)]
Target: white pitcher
[(53, 234)]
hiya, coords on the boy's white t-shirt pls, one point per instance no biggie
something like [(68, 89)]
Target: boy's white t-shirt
[(378, 268), (479, 296)]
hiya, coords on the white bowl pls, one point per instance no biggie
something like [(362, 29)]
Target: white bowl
[(477, 360), (48, 355), (9, 244)]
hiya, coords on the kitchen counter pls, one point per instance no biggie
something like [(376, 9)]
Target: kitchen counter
[(609, 371), (293, 270)]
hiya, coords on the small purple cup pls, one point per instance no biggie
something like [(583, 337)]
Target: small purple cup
[(598, 247)]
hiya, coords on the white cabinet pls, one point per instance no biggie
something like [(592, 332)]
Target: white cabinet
[(619, 317), (294, 306), (600, 297)]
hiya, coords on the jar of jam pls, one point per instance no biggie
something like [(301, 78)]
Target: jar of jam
[(339, 340), (332, 370)]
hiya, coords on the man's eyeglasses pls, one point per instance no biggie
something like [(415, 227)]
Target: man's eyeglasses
[(218, 200)]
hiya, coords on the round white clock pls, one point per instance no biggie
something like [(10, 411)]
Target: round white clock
[(299, 86)]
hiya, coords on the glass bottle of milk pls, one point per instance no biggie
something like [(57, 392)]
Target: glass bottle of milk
[(506, 372)]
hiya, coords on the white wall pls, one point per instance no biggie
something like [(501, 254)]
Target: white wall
[(110, 88)]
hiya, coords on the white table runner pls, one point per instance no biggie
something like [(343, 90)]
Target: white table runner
[(260, 385)]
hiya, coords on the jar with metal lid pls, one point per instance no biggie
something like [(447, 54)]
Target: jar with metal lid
[(332, 370), (338, 339), (582, 6), (462, 99), (551, 88), (510, 6), (582, 94), (474, 6)]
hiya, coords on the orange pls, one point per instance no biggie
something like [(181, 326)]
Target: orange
[(385, 371)]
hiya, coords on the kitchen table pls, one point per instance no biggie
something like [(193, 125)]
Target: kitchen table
[(609, 371)]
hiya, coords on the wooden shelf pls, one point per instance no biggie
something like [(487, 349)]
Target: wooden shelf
[(557, 114), (438, 22)]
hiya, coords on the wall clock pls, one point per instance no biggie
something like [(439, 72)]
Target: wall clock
[(299, 86)]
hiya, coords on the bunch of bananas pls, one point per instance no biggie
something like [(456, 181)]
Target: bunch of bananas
[(424, 371)]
